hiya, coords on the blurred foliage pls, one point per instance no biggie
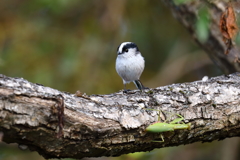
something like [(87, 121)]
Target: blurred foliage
[(178, 2), (71, 45), (202, 24)]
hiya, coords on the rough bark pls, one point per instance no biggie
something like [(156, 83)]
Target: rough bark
[(111, 125), (187, 14)]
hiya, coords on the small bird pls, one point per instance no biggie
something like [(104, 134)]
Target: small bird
[(130, 64)]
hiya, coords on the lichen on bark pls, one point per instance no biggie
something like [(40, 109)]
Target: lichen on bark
[(114, 124)]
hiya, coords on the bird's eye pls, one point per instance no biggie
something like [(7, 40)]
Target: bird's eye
[(126, 50)]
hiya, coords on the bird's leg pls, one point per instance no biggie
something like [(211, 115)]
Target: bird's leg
[(143, 87), (139, 85), (125, 90)]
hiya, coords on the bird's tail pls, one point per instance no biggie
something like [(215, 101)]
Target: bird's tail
[(139, 85)]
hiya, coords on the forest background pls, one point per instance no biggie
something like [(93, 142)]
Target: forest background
[(71, 45)]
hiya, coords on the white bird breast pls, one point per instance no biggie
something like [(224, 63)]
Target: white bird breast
[(130, 66)]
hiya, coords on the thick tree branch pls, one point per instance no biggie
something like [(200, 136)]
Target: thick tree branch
[(111, 125)]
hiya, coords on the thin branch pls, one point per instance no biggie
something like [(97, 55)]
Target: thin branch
[(114, 124)]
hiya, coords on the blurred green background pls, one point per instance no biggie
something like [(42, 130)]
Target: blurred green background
[(71, 45)]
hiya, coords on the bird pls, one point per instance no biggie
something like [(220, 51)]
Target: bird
[(130, 64)]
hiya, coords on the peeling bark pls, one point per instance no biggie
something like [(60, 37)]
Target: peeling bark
[(114, 124), (187, 14)]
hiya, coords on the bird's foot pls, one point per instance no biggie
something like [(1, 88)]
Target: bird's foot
[(126, 90), (145, 87)]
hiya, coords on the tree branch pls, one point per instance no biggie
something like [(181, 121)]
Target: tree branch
[(187, 14), (111, 125)]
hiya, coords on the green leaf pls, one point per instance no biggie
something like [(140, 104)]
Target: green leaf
[(202, 25)]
